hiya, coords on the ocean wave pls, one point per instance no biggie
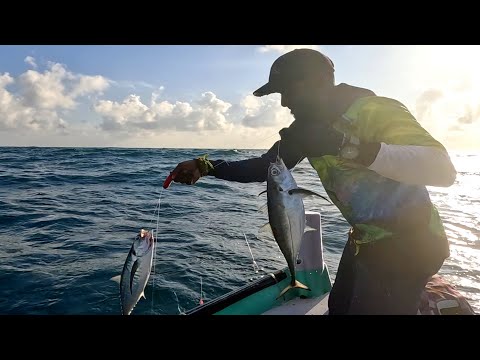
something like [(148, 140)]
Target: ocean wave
[(69, 216)]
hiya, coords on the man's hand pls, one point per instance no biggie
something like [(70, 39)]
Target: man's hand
[(186, 172)]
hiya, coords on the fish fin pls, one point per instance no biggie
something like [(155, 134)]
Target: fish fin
[(266, 228), (304, 193), (309, 228), (297, 285), (143, 294), (263, 208), (116, 278), (284, 291), (263, 192)]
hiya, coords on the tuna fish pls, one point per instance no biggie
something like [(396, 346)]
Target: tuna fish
[(136, 271), (286, 214)]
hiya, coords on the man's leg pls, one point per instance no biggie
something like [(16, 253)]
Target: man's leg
[(381, 291), (391, 275), (342, 289)]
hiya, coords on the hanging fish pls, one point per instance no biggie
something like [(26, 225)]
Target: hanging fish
[(136, 271)]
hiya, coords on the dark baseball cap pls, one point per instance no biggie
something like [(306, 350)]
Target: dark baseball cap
[(295, 65)]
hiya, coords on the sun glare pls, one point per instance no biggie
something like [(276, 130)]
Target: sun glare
[(446, 79)]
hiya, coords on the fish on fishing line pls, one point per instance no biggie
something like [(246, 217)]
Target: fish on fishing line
[(136, 271), (286, 214)]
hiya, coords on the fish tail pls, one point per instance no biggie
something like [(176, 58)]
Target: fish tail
[(285, 290), (297, 285)]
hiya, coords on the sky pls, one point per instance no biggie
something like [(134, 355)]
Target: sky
[(200, 96)]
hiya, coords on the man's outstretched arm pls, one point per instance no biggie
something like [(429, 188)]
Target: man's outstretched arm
[(255, 169)]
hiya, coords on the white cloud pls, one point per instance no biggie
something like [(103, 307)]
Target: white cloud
[(451, 115), (5, 80), (469, 116), (89, 84), (209, 113), (31, 61), (447, 108), (57, 87), (38, 108), (285, 48), (39, 97), (15, 115), (426, 100), (441, 83), (264, 112), (47, 90), (206, 122), (134, 85), (156, 94), (40, 103)]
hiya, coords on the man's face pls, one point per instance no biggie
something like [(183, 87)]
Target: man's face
[(302, 98), (292, 95)]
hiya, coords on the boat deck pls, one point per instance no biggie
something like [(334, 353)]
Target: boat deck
[(299, 306)]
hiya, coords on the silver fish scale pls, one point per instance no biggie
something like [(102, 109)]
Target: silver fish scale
[(130, 295)]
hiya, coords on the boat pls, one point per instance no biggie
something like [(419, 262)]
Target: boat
[(260, 297)]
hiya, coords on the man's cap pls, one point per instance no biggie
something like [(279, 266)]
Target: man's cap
[(295, 65)]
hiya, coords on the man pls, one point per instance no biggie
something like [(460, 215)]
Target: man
[(374, 161)]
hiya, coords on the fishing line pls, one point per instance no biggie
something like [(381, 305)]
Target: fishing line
[(298, 162), (268, 137), (166, 185), (180, 312), (201, 291), (155, 242), (255, 266)]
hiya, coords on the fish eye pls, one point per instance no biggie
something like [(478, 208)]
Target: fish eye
[(274, 171)]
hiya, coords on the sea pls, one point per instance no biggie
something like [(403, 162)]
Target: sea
[(68, 217)]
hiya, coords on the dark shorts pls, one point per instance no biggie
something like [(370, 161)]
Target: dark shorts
[(386, 277)]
